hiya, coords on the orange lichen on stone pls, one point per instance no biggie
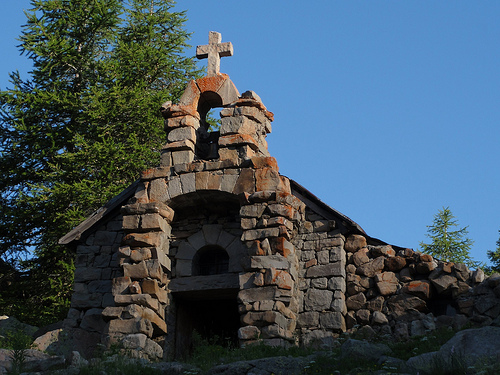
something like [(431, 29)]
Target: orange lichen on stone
[(264, 162)]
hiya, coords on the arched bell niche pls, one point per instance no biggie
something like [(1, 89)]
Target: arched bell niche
[(208, 133)]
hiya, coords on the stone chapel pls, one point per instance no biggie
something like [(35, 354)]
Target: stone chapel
[(216, 242)]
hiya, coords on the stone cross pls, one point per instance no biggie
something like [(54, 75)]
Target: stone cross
[(214, 50)]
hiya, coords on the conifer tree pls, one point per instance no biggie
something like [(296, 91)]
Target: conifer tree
[(448, 244), (80, 127), (494, 257)]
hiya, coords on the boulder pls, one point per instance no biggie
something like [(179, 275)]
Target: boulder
[(371, 268), (363, 350), (476, 344)]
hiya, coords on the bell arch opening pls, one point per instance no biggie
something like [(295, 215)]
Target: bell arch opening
[(207, 139)]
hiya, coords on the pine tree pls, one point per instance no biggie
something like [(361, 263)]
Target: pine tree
[(82, 126), (448, 244), (494, 257)]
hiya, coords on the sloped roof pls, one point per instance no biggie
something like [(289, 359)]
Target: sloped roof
[(88, 225), (314, 203)]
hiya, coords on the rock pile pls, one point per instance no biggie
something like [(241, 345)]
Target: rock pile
[(405, 293)]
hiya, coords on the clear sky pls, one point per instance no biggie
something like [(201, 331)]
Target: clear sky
[(386, 110)]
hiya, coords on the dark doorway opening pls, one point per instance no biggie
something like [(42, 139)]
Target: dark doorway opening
[(215, 320)]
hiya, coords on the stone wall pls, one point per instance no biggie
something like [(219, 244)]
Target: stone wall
[(96, 265), (320, 249), (404, 293)]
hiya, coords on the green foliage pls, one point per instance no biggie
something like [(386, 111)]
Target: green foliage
[(421, 344), (209, 353), (79, 130), (118, 365), (494, 257), (448, 244), (18, 341)]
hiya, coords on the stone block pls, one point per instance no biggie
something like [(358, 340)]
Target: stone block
[(93, 321), (355, 242), (228, 182), (158, 190), (371, 268), (396, 263), (337, 283), (154, 222), (120, 285), (188, 182), (211, 233), (257, 294), (229, 154), (183, 268), (248, 223), (386, 251), (425, 267), (328, 270), (361, 257), (309, 319), (151, 239), (379, 318), (102, 261), (317, 300), (253, 210), (182, 157), (249, 333), (140, 254), (356, 302), (237, 140), (419, 288), (128, 326), (151, 287), (87, 274), (137, 299), (86, 300), (278, 209), (162, 257), (268, 261), (252, 113), (154, 269), (104, 238), (136, 271), (267, 179), (182, 133), (237, 125), (319, 283), (444, 283), (99, 286), (245, 182), (387, 283), (332, 321), (280, 278), (260, 234), (131, 222)]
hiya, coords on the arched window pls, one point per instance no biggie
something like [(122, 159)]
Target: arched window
[(210, 260)]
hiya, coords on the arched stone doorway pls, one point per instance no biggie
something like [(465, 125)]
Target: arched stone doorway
[(205, 283)]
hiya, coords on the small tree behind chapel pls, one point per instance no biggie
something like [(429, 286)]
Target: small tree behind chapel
[(447, 242)]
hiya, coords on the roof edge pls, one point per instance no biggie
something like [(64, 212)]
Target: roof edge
[(76, 233)]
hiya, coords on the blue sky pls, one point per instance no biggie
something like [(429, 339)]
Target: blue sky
[(386, 110)]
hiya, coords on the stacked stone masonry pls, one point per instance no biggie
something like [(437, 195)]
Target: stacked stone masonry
[(217, 223)]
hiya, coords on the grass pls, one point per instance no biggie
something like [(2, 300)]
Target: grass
[(208, 353), (421, 344)]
